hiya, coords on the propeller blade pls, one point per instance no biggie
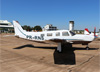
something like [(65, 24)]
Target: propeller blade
[(94, 31)]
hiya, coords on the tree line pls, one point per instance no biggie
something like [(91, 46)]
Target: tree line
[(35, 28)]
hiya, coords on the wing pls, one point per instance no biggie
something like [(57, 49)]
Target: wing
[(56, 40)]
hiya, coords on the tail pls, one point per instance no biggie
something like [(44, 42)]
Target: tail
[(19, 30), (86, 31)]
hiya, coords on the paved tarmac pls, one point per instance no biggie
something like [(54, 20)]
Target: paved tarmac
[(19, 55)]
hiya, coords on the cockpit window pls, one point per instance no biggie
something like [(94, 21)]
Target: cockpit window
[(65, 34), (72, 33)]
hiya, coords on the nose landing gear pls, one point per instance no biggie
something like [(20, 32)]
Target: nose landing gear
[(87, 48)]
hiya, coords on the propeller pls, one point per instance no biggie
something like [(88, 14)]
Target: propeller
[(95, 33)]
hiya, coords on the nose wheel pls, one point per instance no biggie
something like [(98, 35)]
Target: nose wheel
[(87, 48)]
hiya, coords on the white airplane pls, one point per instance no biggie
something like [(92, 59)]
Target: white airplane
[(64, 38)]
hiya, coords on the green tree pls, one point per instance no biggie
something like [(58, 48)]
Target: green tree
[(37, 28), (27, 28)]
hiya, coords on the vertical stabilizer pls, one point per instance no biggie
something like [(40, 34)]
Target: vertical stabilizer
[(19, 30), (86, 31)]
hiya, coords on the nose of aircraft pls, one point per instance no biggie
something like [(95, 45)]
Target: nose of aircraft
[(89, 37)]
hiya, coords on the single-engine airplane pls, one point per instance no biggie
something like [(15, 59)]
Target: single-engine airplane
[(63, 38)]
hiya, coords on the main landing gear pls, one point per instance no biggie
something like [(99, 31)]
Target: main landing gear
[(59, 49), (63, 46)]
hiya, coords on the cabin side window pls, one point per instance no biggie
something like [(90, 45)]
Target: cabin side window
[(58, 34), (42, 35), (49, 34), (65, 34)]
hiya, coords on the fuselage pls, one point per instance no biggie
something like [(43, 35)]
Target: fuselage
[(61, 37), (65, 35)]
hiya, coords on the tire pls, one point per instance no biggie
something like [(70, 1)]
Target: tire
[(87, 48)]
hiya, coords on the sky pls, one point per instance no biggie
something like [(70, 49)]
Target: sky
[(85, 13)]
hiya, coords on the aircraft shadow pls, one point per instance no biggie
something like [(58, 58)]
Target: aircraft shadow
[(28, 45), (67, 57), (76, 48), (32, 46)]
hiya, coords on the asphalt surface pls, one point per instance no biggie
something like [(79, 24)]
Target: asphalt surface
[(19, 55)]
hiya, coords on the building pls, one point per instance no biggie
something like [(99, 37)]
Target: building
[(49, 27), (71, 28), (78, 31), (99, 30), (71, 25), (5, 23), (5, 26)]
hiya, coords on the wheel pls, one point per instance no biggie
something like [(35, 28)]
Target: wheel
[(87, 48)]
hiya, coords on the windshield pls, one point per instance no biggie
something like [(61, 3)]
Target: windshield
[(65, 34), (72, 33)]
